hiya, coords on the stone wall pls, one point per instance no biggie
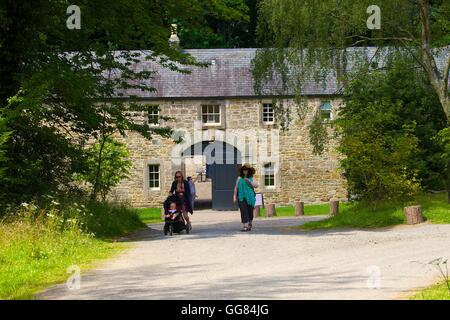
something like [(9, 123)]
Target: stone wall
[(300, 174)]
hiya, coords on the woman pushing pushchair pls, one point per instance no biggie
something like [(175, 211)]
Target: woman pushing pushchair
[(180, 187)]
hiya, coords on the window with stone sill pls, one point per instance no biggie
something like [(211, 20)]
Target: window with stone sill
[(269, 175), (153, 115), (153, 176), (268, 113), (325, 111), (211, 114)]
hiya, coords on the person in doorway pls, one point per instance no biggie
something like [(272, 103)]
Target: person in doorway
[(181, 188), (193, 191), (244, 195)]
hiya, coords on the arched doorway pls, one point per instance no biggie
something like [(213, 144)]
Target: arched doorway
[(220, 162)]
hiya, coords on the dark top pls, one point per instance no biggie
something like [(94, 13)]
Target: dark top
[(186, 196)]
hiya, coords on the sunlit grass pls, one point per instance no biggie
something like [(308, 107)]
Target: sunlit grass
[(435, 292), (149, 215), (37, 246), (363, 215)]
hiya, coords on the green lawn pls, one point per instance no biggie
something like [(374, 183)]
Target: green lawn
[(149, 215), (153, 215), (360, 215), (310, 210), (436, 292)]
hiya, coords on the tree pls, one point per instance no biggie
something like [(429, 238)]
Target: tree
[(230, 24), (60, 88), (108, 163), (387, 129), (4, 136), (314, 37), (311, 39)]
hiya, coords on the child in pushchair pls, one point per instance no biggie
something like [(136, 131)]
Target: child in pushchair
[(174, 221)]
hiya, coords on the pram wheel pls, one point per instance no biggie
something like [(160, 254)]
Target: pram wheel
[(171, 229)]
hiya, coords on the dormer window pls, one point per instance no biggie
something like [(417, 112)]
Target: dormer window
[(325, 111)]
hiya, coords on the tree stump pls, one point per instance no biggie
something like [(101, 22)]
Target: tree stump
[(270, 210), (162, 214), (299, 209), (413, 214), (334, 207)]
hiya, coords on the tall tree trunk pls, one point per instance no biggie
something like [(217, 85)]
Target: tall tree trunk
[(438, 81), (99, 167), (448, 180)]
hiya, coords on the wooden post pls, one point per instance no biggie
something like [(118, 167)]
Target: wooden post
[(270, 210), (299, 209), (256, 212), (162, 214), (413, 214), (334, 207)]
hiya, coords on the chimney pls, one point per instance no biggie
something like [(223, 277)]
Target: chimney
[(174, 41)]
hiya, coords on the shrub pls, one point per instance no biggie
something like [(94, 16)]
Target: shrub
[(108, 163), (387, 128)]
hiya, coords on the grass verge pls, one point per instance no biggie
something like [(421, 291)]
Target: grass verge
[(310, 210), (436, 292), (153, 215), (37, 245), (362, 215), (149, 215)]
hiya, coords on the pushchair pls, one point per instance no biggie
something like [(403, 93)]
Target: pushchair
[(178, 224)]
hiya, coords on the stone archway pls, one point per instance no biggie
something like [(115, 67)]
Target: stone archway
[(220, 162)]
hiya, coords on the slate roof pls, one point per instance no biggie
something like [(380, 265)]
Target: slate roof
[(228, 76)]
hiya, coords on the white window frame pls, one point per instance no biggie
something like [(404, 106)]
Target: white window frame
[(150, 113), (213, 114), (273, 174), (149, 172), (321, 110), (264, 111)]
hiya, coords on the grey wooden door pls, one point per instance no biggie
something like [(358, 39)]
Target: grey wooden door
[(224, 173), (223, 182), (223, 161)]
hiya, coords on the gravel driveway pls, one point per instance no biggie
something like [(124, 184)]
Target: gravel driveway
[(272, 261)]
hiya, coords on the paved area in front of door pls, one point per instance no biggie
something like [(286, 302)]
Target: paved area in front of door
[(217, 261)]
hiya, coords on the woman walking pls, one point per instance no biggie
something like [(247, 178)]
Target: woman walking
[(181, 188), (244, 194)]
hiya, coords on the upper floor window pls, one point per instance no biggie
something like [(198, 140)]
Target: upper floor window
[(153, 115), (325, 111), (268, 113), (269, 174), (211, 114)]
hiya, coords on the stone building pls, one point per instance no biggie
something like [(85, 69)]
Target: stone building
[(224, 124)]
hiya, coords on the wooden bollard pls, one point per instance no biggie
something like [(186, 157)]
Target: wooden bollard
[(413, 214), (299, 209), (334, 207), (162, 214), (270, 210), (256, 212)]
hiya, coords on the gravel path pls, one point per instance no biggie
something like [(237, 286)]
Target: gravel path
[(272, 261)]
